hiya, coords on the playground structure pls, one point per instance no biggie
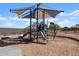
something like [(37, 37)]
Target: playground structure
[(37, 13)]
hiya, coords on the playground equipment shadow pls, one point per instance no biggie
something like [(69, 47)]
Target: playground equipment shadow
[(13, 41), (59, 46), (72, 38), (5, 41)]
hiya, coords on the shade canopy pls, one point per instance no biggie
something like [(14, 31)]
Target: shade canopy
[(52, 13), (32, 14), (19, 11), (46, 12)]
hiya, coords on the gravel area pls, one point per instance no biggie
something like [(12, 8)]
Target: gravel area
[(57, 47)]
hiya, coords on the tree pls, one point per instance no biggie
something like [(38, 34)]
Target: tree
[(54, 29)]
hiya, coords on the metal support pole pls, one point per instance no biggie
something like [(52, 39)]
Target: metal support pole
[(30, 23), (47, 27), (43, 18), (37, 21)]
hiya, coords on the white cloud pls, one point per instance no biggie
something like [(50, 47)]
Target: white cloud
[(9, 24), (62, 14), (52, 19), (66, 22), (25, 20), (73, 13), (13, 18), (68, 19), (2, 18), (74, 18), (18, 19)]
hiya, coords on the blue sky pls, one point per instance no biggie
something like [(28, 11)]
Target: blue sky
[(69, 18)]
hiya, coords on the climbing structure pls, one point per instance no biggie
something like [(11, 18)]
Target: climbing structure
[(37, 13)]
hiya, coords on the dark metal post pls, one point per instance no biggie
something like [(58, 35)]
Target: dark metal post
[(43, 18), (30, 23), (47, 27), (37, 21)]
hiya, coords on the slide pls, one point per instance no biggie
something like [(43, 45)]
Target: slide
[(44, 34), (26, 34)]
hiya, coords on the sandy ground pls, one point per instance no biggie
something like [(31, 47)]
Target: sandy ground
[(57, 47)]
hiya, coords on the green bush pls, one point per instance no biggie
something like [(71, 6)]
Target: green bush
[(54, 29)]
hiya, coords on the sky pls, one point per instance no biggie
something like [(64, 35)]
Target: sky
[(68, 18)]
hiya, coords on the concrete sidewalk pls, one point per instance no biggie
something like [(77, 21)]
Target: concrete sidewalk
[(10, 51)]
